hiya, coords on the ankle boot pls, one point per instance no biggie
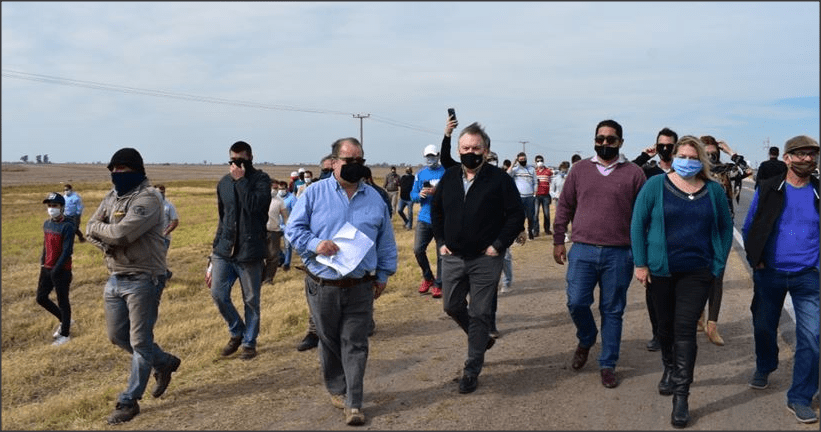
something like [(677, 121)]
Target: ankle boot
[(712, 333), (681, 411), (701, 323), (666, 383)]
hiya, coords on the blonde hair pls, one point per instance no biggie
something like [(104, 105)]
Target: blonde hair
[(690, 140)]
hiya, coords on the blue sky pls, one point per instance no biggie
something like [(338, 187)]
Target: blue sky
[(186, 80)]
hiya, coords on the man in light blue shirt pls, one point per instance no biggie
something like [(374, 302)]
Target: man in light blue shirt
[(74, 209), (527, 182), (342, 304)]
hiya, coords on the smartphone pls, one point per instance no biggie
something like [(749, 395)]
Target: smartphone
[(452, 113), (426, 184)]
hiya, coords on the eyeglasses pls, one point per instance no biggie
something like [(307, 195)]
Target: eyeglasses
[(351, 160), (803, 154), (611, 139)]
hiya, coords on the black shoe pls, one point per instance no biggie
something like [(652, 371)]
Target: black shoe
[(286, 267), (232, 346), (311, 340), (530, 235), (653, 345), (666, 385), (123, 413), (681, 412), (248, 353), (168, 274), (490, 343), (163, 376), (468, 383)]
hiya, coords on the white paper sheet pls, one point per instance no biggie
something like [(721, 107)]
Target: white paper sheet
[(353, 245)]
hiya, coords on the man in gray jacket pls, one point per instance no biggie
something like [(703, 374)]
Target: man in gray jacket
[(128, 228), (240, 249)]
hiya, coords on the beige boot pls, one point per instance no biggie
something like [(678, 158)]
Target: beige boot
[(700, 323), (712, 333)]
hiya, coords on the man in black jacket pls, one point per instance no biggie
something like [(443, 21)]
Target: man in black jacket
[(239, 249), (770, 168), (476, 215)]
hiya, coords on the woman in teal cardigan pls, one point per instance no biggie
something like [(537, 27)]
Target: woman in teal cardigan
[(681, 234)]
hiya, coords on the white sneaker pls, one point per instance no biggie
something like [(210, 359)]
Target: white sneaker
[(59, 340), (57, 330), (505, 289)]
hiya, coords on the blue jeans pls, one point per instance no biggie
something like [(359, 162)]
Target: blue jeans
[(422, 238), (477, 278), (529, 203), (409, 217), (223, 275), (288, 250), (611, 267), (507, 268), (769, 289), (542, 204), (131, 305), (343, 318)]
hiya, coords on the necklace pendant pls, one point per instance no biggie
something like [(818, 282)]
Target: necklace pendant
[(690, 196)]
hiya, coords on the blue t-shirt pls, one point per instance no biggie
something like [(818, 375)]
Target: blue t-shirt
[(425, 175), (793, 242), (687, 224)]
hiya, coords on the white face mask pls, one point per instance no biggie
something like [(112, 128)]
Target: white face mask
[(307, 180), (539, 164), (282, 192), (54, 212)]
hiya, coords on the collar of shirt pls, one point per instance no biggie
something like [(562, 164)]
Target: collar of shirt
[(606, 169)]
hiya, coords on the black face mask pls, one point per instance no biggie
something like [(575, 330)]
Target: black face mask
[(606, 153), (471, 160), (352, 172), (124, 182), (523, 162), (665, 152)]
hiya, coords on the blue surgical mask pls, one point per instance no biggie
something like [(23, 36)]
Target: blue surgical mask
[(687, 168), (432, 161)]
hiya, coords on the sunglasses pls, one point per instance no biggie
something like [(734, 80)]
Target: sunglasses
[(237, 162), (611, 139), (352, 160), (804, 154)]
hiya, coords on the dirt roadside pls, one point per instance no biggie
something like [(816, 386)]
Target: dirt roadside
[(526, 384)]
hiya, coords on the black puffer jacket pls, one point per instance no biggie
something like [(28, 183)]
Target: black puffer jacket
[(243, 212)]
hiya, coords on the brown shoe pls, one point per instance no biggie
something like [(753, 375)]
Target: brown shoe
[(712, 333), (354, 417), (700, 323), (580, 357), (248, 353), (232, 346), (608, 378), (338, 400)]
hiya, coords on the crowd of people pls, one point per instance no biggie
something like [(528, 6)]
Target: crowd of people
[(668, 224)]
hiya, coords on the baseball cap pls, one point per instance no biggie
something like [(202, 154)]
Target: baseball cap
[(301, 170), (54, 198), (800, 141), (430, 150), (294, 173)]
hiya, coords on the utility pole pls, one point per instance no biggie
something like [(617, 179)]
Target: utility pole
[(523, 145), (360, 117)]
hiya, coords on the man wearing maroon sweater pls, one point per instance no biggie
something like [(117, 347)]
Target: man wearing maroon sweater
[(597, 198)]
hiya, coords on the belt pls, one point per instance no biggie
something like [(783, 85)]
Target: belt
[(341, 283)]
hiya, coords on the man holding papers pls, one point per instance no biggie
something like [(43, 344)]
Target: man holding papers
[(341, 228)]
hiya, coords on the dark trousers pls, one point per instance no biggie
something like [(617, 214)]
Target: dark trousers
[(679, 300), (478, 279), (272, 258), (543, 206), (60, 284)]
